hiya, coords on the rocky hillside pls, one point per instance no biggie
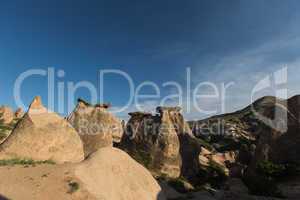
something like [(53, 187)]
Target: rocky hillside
[(8, 120), (276, 163), (265, 138), (240, 130), (249, 154), (165, 145)]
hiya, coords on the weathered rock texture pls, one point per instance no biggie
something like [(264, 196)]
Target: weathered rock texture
[(236, 133), (7, 114), (96, 126), (153, 141), (19, 113), (230, 131), (111, 174), (43, 135), (8, 121), (278, 149), (163, 142), (108, 174), (240, 125), (281, 145)]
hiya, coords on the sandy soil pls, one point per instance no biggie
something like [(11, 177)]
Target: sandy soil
[(39, 182)]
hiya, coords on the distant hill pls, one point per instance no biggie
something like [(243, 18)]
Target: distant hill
[(242, 125)]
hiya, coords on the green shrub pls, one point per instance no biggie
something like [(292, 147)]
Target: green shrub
[(205, 144), (73, 187), (268, 174), (143, 158), (271, 170)]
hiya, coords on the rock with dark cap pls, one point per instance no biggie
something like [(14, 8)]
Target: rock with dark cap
[(96, 126)]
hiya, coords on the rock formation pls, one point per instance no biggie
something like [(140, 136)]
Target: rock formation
[(111, 174), (278, 152), (108, 174), (163, 142), (19, 113), (237, 127), (43, 135), (8, 120), (96, 126), (281, 146), (236, 133), (7, 114), (153, 141)]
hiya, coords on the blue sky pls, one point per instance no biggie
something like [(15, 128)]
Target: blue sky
[(221, 41)]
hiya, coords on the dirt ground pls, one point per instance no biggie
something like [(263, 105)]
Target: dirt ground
[(45, 182)]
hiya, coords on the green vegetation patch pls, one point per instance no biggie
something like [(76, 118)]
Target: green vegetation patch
[(269, 174), (73, 187), (270, 170), (16, 161), (205, 144), (143, 158)]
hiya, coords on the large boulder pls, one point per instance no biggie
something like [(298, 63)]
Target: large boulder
[(96, 126), (108, 174), (111, 174), (43, 135)]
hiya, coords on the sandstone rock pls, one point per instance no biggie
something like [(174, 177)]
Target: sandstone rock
[(108, 174), (19, 113), (7, 122), (224, 158), (204, 161), (6, 114), (47, 182), (96, 126), (205, 152), (111, 174), (43, 135), (163, 143), (153, 141)]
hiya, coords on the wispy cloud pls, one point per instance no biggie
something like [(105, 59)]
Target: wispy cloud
[(245, 70)]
